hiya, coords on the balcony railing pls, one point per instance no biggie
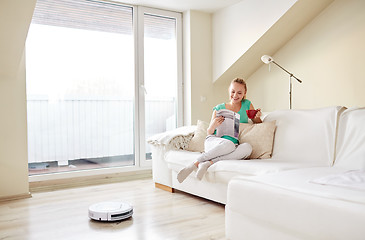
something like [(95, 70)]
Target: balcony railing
[(85, 128)]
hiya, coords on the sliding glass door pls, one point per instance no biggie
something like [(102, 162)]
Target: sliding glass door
[(98, 84)]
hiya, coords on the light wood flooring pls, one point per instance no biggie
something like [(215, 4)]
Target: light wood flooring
[(158, 214)]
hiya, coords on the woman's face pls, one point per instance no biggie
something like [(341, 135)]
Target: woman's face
[(237, 92)]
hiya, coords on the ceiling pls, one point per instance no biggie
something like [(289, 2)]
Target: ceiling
[(209, 6)]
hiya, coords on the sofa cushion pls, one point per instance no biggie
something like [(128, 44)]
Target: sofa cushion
[(305, 135), (350, 147), (260, 136), (302, 181), (350, 179), (289, 203), (223, 171), (178, 159)]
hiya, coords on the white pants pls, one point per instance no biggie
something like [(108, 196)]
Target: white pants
[(216, 149)]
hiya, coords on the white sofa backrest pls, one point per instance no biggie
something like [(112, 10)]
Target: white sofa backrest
[(305, 135), (350, 146)]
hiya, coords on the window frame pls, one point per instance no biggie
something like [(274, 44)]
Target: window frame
[(141, 164)]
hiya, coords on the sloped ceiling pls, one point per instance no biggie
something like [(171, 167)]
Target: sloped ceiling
[(16, 15), (295, 19), (15, 18)]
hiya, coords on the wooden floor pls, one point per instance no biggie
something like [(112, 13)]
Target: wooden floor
[(158, 214)]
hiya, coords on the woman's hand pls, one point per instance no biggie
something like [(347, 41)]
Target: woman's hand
[(217, 121), (258, 114), (257, 118), (214, 123)]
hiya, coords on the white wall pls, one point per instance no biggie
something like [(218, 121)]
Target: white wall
[(15, 17), (13, 137), (327, 55), (238, 27), (200, 94)]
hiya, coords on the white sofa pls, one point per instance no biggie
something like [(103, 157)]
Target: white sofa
[(276, 198), (306, 203), (303, 139)]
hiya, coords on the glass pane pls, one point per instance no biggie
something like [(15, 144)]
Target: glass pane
[(160, 72), (80, 93)]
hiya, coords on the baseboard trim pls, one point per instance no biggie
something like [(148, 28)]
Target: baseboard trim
[(58, 184), (164, 187), (15, 197)]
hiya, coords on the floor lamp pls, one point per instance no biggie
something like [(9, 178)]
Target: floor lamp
[(267, 59)]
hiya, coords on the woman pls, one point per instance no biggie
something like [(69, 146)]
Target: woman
[(225, 147)]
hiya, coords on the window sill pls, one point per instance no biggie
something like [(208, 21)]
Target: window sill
[(57, 181)]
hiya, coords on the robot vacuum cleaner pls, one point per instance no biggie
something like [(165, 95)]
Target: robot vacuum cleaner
[(110, 211)]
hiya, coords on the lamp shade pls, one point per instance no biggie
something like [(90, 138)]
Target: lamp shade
[(267, 59)]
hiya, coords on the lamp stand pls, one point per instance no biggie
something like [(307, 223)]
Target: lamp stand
[(290, 82), (290, 91)]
